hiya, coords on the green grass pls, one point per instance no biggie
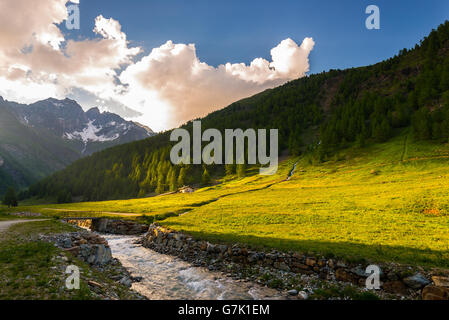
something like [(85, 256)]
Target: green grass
[(386, 202), (28, 269), (31, 269), (350, 292), (398, 212)]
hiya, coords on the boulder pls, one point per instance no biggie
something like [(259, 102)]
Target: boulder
[(75, 251), (127, 282), (440, 281), (292, 292), (435, 293), (396, 287), (303, 295), (417, 281), (343, 275), (310, 262)]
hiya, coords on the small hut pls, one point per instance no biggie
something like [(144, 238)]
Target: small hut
[(186, 189)]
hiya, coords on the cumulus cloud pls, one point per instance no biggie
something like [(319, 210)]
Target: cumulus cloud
[(34, 53), (193, 88), (168, 86)]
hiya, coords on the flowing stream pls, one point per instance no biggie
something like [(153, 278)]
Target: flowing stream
[(166, 277)]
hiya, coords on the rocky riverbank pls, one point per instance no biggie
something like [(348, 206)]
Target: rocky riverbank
[(94, 250), (304, 276)]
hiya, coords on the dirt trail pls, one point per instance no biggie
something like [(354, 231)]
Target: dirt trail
[(4, 225), (127, 214)]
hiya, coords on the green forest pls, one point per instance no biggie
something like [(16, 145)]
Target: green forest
[(318, 114)]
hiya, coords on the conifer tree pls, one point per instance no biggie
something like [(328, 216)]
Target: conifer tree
[(241, 170), (10, 198), (205, 179), (172, 181), (182, 177)]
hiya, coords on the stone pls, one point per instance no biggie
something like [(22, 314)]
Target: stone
[(300, 266), (67, 243), (435, 293), (284, 267), (396, 287), (126, 282), (360, 272), (210, 248), (94, 284), (392, 276), (268, 262), (292, 292), (322, 263), (298, 256), (102, 255), (136, 279), (345, 276), (74, 251), (223, 248), (440, 281), (303, 295), (417, 281), (310, 262)]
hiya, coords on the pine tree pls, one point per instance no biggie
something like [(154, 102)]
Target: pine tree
[(241, 170), (160, 185), (205, 179), (182, 177), (173, 184), (230, 169), (10, 198)]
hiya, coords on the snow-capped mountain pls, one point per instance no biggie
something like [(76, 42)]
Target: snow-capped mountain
[(46, 136), (91, 130)]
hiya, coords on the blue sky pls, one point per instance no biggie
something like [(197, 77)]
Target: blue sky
[(239, 31), (164, 62)]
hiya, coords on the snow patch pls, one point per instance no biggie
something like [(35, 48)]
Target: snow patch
[(58, 104), (90, 134)]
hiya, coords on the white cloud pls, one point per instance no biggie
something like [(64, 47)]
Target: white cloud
[(192, 88), (168, 86)]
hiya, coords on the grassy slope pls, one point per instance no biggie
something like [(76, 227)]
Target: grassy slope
[(375, 207), (33, 270), (387, 202), (20, 147)]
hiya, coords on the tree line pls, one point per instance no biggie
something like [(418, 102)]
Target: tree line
[(320, 114)]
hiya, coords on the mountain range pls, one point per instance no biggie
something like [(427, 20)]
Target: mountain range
[(316, 116), (41, 138)]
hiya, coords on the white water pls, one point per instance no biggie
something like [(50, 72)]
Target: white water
[(168, 278), (292, 172)]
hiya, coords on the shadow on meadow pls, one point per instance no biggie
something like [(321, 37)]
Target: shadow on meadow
[(349, 251)]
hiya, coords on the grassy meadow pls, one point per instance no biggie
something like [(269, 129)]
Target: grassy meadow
[(385, 202)]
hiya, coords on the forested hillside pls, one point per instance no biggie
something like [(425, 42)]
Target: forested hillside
[(317, 114), (44, 137)]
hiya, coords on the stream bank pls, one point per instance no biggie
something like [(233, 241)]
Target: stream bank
[(300, 274), (294, 275)]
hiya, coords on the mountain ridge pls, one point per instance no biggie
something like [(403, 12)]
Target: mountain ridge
[(43, 137), (316, 115)]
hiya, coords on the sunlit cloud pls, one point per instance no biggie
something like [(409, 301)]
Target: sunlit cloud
[(167, 87)]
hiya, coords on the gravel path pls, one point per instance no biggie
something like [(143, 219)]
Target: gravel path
[(4, 225)]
